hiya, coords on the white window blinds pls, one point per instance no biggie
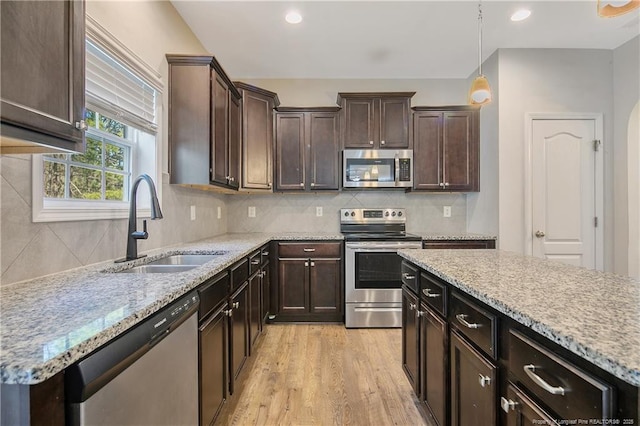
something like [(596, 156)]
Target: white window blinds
[(114, 88)]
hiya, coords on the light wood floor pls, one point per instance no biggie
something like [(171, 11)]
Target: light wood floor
[(326, 375)]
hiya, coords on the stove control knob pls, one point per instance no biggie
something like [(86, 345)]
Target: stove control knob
[(353, 214), (386, 213), (393, 214), (346, 213), (399, 214)]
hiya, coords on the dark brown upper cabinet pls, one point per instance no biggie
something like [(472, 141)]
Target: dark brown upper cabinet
[(42, 68), (307, 149), (257, 136), (446, 148), (204, 123), (375, 120)]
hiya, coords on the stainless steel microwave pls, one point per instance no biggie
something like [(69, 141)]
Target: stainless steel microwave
[(377, 168)]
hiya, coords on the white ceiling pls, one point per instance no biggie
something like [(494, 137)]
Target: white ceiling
[(388, 39)]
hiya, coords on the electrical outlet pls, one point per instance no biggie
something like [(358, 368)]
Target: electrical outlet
[(219, 212), (319, 211), (446, 212), (252, 211), (193, 212)]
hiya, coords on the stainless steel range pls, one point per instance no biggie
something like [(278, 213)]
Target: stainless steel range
[(373, 279)]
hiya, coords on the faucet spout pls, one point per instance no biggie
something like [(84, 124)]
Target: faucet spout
[(133, 234)]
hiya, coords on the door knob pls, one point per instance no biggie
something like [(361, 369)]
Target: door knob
[(539, 234)]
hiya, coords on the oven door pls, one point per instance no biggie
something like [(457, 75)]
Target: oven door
[(372, 271)]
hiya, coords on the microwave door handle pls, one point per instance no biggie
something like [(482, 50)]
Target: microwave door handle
[(397, 161)]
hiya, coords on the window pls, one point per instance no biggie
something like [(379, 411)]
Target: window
[(122, 103)]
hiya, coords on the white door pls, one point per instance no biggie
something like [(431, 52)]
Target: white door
[(564, 187)]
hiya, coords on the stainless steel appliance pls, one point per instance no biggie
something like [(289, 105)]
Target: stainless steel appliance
[(147, 376), (373, 279), (377, 168)]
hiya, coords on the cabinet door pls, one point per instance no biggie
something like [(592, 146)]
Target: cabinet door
[(257, 141), (265, 305), (219, 129), (324, 150), (427, 146), (324, 286), (213, 365), (234, 142), (290, 153), (254, 309), (460, 151), (293, 297), (360, 130), (42, 68), (473, 385), (434, 364), (410, 338), (523, 411), (239, 333), (394, 123)]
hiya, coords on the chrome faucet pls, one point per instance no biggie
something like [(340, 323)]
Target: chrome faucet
[(133, 233)]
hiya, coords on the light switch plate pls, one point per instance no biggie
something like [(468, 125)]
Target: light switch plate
[(193, 212), (446, 211), (252, 211), (219, 212), (319, 211)]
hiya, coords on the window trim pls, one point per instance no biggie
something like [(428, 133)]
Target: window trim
[(81, 210)]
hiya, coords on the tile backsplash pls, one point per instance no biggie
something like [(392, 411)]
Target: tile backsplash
[(297, 212)]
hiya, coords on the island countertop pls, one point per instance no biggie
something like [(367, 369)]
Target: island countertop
[(594, 314), (50, 322)]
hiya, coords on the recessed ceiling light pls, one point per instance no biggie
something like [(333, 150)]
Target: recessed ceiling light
[(520, 15), (293, 17)]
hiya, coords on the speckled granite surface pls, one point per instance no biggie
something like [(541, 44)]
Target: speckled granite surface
[(593, 314), (432, 236), (50, 322)]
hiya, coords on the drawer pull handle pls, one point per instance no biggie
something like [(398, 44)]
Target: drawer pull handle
[(427, 292), (463, 321), (484, 380), (255, 262), (408, 277), (265, 253), (507, 404), (236, 305), (421, 314), (530, 370), (309, 250), (412, 306)]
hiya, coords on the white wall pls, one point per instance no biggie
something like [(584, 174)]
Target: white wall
[(626, 157), (150, 29), (548, 80)]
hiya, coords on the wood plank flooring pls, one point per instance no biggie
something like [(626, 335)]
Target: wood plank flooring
[(307, 374)]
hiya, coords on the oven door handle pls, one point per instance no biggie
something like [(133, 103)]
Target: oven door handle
[(381, 248), (397, 161)]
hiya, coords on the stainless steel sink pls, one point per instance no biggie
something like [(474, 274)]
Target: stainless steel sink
[(185, 259), (158, 269)]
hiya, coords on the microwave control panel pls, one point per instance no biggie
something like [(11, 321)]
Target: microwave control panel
[(405, 170)]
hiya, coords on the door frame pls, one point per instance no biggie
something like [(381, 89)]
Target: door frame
[(529, 119)]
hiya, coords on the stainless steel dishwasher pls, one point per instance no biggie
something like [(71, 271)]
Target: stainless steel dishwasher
[(147, 376)]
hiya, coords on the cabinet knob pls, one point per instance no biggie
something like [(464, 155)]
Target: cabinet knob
[(232, 179), (540, 234), (236, 305), (421, 314), (412, 306), (313, 263), (381, 142), (441, 184), (446, 184), (313, 184), (370, 142), (306, 263), (484, 380), (81, 125), (228, 312), (270, 184), (301, 184), (507, 404)]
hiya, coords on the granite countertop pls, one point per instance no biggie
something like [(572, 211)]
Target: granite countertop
[(50, 322), (594, 314), (463, 236)]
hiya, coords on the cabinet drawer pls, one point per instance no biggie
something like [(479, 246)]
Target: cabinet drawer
[(434, 293), (254, 262), (480, 326), (239, 274), (410, 276), (304, 250), (569, 391), (264, 255), (212, 293)]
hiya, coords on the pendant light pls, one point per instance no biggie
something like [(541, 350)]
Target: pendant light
[(480, 92), (611, 8)]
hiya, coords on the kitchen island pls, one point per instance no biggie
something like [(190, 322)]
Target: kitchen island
[(586, 316)]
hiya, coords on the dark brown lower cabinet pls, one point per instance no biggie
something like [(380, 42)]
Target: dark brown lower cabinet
[(473, 385), (434, 357), (325, 296), (410, 338), (213, 365), (523, 411), (239, 333)]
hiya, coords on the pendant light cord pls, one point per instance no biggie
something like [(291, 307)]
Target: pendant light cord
[(479, 37)]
